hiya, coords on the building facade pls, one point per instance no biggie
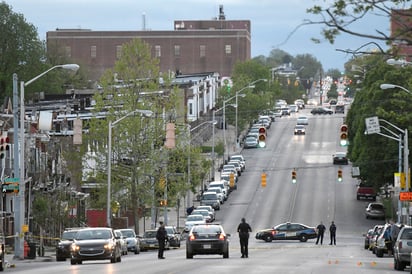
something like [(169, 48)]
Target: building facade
[(192, 47)]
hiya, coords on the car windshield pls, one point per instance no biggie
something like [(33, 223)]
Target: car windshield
[(194, 218), (127, 233), (376, 207), (207, 229), (93, 234), (149, 234), (69, 235), (211, 196)]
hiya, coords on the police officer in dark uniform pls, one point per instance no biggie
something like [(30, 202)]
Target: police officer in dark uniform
[(161, 236), (332, 231), (320, 230), (244, 229)]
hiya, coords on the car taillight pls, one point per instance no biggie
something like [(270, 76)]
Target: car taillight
[(192, 237), (221, 237), (274, 232)]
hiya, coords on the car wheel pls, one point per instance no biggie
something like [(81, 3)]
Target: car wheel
[(268, 238), (189, 255), (60, 259), (303, 238), (113, 259), (379, 253), (366, 246), (73, 262), (119, 259), (137, 250), (226, 254)]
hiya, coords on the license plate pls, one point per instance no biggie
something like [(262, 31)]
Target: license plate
[(207, 246), (151, 245)]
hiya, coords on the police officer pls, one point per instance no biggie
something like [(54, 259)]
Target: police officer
[(332, 231), (321, 230), (244, 229), (161, 236)]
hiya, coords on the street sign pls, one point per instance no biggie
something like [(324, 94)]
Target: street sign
[(10, 188), (11, 180), (372, 125), (405, 196)]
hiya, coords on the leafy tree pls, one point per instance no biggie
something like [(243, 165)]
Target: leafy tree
[(341, 16), (20, 50), (377, 156)]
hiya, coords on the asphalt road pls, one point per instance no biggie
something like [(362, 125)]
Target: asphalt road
[(315, 197)]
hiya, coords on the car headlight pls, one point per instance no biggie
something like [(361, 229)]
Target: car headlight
[(109, 246), (75, 247)]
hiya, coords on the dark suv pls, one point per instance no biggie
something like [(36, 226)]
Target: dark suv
[(63, 247)]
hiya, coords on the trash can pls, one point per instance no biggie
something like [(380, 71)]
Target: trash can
[(32, 250)]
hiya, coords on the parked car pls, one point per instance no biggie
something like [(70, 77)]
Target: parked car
[(65, 243), (402, 249), (340, 158), (122, 240), (240, 158), (210, 198), (208, 208), (223, 185), (375, 211), (383, 242), (148, 240), (173, 237), (192, 220), (299, 130), (287, 231), (207, 239), (98, 243), (251, 142), (219, 193), (205, 213), (133, 242), (371, 236), (321, 110)]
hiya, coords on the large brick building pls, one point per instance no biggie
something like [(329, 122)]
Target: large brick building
[(192, 47)]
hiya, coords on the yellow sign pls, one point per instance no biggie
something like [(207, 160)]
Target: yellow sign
[(25, 228)]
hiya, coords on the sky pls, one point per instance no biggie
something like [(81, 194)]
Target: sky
[(272, 21)]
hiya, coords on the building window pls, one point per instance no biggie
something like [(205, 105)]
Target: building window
[(228, 49), (68, 51), (190, 108), (177, 50), (118, 52), (202, 51), (158, 52), (93, 51)]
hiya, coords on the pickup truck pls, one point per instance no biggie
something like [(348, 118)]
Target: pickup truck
[(365, 192)]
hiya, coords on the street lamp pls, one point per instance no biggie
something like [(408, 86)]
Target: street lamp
[(400, 62), (147, 113), (18, 165), (390, 86)]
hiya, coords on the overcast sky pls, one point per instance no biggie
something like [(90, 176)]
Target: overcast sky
[(272, 21)]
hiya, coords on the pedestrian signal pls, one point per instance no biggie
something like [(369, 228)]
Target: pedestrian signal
[(263, 180)]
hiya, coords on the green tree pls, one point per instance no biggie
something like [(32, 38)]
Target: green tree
[(20, 50), (377, 156), (340, 16)]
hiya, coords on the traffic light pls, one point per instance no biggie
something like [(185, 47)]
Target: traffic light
[(344, 135), (4, 145), (340, 175), (263, 179), (232, 180), (262, 137), (163, 202), (294, 176)]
